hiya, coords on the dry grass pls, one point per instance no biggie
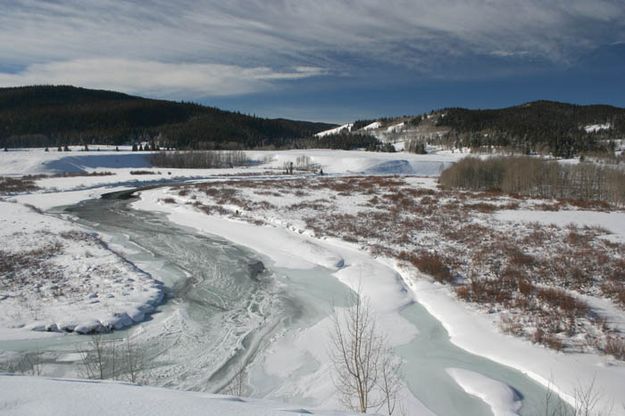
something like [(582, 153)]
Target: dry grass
[(529, 269), (17, 185)]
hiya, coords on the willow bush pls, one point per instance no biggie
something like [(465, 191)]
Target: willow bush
[(537, 178), (198, 159)]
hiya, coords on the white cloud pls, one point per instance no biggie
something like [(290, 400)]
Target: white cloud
[(155, 78), (242, 38)]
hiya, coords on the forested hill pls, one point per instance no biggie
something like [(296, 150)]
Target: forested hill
[(544, 126), (59, 115)]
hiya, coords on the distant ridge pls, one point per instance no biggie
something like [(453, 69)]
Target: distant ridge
[(542, 126), (58, 115)]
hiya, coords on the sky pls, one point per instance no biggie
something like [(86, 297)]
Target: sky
[(324, 60)]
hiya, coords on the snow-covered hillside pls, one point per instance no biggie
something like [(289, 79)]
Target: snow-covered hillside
[(593, 128), (337, 130)]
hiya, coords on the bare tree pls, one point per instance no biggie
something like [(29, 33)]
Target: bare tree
[(389, 383), (94, 359), (133, 362), (587, 401), (366, 375), (113, 359), (237, 384)]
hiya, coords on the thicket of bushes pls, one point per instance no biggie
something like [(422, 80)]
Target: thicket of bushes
[(537, 178), (199, 159)]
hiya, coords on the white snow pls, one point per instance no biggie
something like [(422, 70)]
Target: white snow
[(593, 128), (373, 126), (71, 282), (289, 245), (614, 222), (564, 373), (30, 396), (289, 249), (501, 398), (395, 127), (337, 130)]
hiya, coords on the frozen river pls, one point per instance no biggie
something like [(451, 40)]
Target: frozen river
[(221, 315)]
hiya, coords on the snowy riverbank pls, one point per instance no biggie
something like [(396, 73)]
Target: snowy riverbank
[(60, 278), (292, 246)]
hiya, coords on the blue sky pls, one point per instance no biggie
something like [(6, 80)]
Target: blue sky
[(330, 60)]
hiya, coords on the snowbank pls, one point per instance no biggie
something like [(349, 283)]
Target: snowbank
[(500, 397), (67, 397), (564, 373)]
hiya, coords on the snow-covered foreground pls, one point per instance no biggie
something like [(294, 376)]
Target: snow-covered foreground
[(30, 396)]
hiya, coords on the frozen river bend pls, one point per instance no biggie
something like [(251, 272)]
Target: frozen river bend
[(224, 314)]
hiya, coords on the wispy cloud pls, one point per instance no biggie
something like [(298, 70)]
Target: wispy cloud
[(227, 47), (156, 78)]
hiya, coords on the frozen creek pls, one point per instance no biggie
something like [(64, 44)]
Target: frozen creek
[(220, 315)]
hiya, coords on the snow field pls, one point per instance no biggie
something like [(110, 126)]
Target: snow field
[(48, 396), (59, 278)]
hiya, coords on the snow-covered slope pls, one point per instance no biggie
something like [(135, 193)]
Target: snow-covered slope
[(593, 128), (31, 396), (336, 130)]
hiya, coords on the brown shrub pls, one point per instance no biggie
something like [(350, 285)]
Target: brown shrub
[(14, 185), (428, 263), (519, 258), (561, 299), (434, 265), (616, 347), (464, 293)]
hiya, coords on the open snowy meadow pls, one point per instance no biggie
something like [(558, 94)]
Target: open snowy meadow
[(224, 286)]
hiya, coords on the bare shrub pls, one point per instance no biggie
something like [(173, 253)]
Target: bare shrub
[(539, 178), (142, 172), (616, 347), (14, 185), (199, 159), (112, 359), (366, 373), (432, 264)]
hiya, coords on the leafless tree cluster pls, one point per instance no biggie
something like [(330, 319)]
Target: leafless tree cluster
[(30, 363), (236, 387), (366, 373), (199, 159), (113, 359), (538, 178), (415, 145), (588, 401)]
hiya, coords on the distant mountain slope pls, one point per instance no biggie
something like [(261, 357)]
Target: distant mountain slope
[(563, 129), (55, 115), (541, 126)]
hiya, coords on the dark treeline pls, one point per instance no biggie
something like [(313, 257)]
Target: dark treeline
[(538, 178), (541, 126), (52, 116)]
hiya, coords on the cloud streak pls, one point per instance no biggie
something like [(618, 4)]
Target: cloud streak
[(218, 47), (156, 78)]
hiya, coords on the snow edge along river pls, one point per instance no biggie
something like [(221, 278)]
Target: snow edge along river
[(563, 373)]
